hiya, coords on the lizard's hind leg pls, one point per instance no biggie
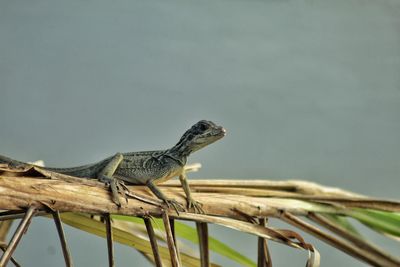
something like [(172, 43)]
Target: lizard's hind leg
[(106, 175)]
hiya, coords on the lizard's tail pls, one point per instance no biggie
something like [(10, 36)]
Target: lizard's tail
[(5, 160)]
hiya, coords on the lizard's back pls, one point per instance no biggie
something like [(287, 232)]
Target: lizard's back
[(140, 167), (135, 168)]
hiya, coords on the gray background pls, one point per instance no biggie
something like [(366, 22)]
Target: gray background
[(306, 89)]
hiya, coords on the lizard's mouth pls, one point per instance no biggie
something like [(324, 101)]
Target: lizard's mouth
[(223, 131), (219, 132), (214, 134)]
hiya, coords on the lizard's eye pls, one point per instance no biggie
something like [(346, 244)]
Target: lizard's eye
[(203, 127)]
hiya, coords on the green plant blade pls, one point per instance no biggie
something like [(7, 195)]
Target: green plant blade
[(380, 221)]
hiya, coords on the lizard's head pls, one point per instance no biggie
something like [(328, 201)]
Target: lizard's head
[(199, 135)]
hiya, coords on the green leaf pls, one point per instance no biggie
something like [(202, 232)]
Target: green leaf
[(189, 233), (381, 221)]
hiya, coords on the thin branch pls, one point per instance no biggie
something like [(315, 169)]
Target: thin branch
[(110, 246), (5, 227), (64, 245), (17, 214), (337, 243), (11, 214), (358, 242), (172, 224), (23, 226), (153, 241), (202, 232), (170, 240), (264, 257), (3, 247)]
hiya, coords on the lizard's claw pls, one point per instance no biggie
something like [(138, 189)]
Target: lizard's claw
[(123, 185), (117, 187), (197, 206), (114, 192), (175, 204), (122, 188)]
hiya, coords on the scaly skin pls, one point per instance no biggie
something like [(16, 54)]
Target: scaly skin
[(148, 167)]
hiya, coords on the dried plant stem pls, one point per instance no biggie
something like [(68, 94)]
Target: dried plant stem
[(153, 241), (110, 245), (23, 226), (363, 244), (337, 243), (3, 247), (264, 257), (64, 245), (172, 224), (202, 232), (170, 240), (222, 200), (17, 214)]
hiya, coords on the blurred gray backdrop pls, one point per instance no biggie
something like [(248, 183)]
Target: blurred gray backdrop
[(306, 89)]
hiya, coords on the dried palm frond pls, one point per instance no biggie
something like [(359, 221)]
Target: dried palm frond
[(242, 205)]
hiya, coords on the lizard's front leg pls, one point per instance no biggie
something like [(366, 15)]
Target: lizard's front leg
[(191, 202), (170, 202), (106, 175)]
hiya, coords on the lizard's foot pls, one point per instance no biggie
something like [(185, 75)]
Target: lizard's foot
[(175, 204), (197, 206), (117, 187)]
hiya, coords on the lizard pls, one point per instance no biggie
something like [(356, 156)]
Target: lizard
[(147, 167)]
